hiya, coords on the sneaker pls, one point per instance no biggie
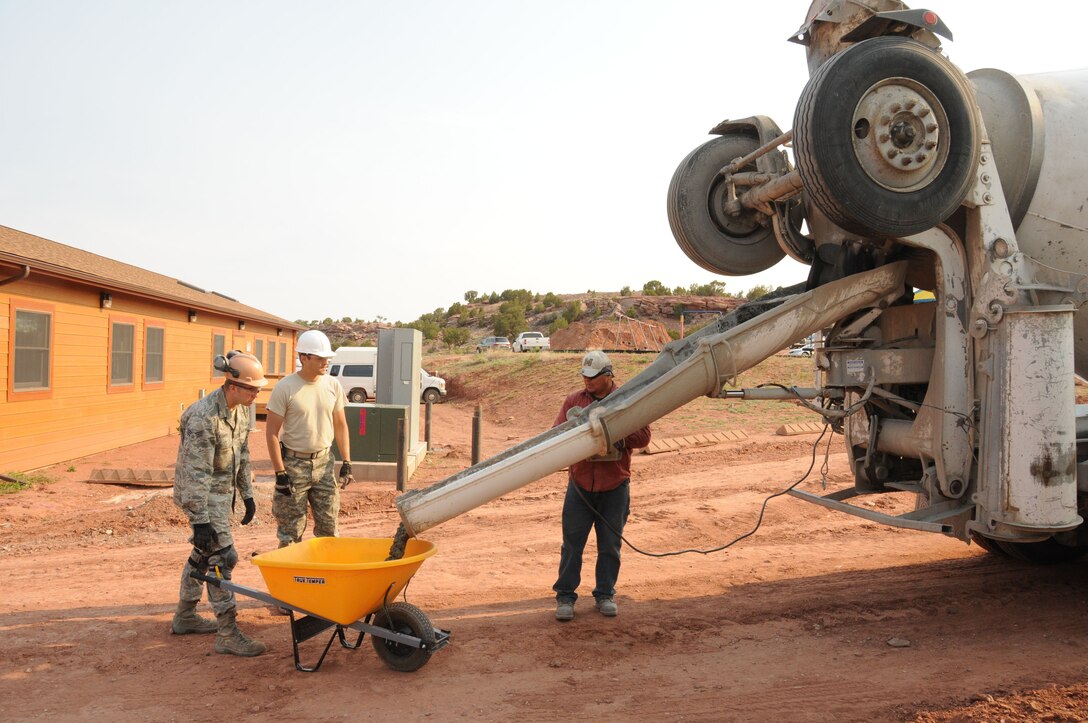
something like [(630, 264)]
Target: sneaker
[(564, 610), (607, 607)]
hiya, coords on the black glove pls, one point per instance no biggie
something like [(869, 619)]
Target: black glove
[(251, 509), (204, 537), (345, 475), (283, 483), (622, 444)]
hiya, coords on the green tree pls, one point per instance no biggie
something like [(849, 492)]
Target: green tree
[(428, 328), (510, 321), (471, 296), (559, 323), (573, 311), (757, 291), (625, 291), (713, 288), (345, 320), (454, 336), (654, 288), (326, 321), (455, 309)]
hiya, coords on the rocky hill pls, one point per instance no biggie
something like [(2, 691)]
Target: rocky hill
[(606, 320)]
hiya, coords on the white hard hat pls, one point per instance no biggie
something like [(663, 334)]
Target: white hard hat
[(314, 342), (595, 363)]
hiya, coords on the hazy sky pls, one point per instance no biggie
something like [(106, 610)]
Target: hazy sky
[(371, 159)]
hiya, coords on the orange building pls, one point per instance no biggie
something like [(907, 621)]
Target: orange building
[(99, 354)]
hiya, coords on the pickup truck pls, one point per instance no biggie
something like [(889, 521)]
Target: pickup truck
[(531, 341)]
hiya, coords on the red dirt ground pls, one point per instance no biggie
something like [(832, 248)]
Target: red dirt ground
[(792, 623)]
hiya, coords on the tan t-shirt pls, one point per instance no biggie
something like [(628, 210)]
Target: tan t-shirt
[(307, 409)]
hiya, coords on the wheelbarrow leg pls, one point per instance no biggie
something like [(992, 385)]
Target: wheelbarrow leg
[(308, 627)]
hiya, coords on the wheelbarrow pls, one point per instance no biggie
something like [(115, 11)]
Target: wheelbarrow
[(346, 583)]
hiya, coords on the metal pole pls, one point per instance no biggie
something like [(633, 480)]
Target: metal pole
[(402, 456), (427, 425), (477, 419)]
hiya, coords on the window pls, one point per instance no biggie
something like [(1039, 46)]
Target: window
[(258, 350), (32, 332), (271, 358), (219, 348), (153, 355), (122, 353), (358, 370), (334, 370), (283, 358)]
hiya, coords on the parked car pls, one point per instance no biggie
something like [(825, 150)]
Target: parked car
[(801, 351), (531, 341), (492, 343)]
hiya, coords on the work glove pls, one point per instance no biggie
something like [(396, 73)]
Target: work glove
[(251, 509), (283, 483), (346, 477), (204, 537)]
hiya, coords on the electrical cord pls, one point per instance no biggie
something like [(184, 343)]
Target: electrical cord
[(759, 520)]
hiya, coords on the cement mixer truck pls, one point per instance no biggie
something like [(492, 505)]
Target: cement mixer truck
[(907, 174)]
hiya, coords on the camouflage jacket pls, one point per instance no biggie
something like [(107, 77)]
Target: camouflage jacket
[(213, 460)]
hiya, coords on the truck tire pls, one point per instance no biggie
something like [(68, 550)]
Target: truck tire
[(732, 245), (886, 137), (402, 617), (431, 396), (1045, 552), (357, 396)]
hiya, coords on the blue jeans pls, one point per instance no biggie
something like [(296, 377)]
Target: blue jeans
[(578, 518)]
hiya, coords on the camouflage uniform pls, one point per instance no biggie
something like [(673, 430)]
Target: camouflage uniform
[(213, 463), (312, 480)]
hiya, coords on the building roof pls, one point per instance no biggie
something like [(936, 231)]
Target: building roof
[(55, 259)]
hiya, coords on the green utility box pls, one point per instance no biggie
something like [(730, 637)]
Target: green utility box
[(372, 429)]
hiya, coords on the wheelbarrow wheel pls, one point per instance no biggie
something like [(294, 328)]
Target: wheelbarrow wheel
[(407, 619)]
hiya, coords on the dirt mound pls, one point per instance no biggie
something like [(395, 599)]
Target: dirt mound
[(616, 334)]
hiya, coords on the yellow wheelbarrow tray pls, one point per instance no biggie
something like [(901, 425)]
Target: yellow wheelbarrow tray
[(347, 582)]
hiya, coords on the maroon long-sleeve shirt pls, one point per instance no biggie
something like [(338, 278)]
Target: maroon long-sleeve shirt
[(601, 476)]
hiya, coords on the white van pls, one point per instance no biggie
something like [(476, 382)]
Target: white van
[(356, 367)]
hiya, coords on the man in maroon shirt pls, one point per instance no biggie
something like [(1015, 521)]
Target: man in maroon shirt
[(598, 497)]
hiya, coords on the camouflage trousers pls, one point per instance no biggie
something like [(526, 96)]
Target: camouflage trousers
[(222, 601), (313, 482)]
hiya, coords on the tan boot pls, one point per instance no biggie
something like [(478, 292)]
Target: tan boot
[(232, 641), (186, 621)]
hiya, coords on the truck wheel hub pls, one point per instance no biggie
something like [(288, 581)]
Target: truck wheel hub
[(897, 134)]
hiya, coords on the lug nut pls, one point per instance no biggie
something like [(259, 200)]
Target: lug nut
[(931, 127), (907, 160), (893, 152), (921, 157), (909, 105), (923, 112), (895, 108), (884, 138), (930, 145)]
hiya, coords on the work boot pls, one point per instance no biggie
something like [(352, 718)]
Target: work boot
[(607, 606), (186, 621), (230, 640), (564, 610)]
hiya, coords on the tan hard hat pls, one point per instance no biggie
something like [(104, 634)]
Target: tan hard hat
[(244, 369), (595, 363)]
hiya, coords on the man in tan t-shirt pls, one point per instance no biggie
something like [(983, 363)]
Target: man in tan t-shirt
[(305, 415)]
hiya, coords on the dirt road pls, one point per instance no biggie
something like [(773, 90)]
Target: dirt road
[(817, 616)]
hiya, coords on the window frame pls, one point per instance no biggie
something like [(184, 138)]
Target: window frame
[(145, 383), (36, 307), (218, 376), (115, 320)]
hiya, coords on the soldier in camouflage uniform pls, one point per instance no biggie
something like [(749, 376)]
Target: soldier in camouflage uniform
[(213, 467), (305, 416)]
